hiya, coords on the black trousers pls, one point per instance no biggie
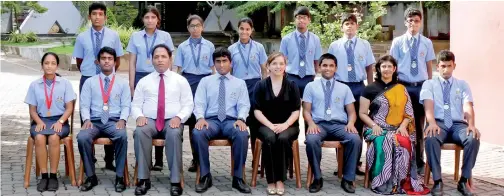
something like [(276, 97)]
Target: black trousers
[(276, 150)]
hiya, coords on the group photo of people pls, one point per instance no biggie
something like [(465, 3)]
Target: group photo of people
[(390, 115)]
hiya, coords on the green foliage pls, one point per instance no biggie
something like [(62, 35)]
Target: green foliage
[(83, 7), (124, 13), (111, 18), (440, 5), (244, 8), (326, 22), (16, 8), (124, 33), (23, 38)]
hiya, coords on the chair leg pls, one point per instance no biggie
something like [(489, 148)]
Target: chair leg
[(457, 165), (70, 161), (37, 168), (126, 173), (81, 173), (366, 175), (340, 162), (309, 176), (232, 164), (28, 164), (182, 178), (135, 175), (262, 168), (427, 174), (66, 161), (297, 169), (198, 173), (255, 164), (291, 167)]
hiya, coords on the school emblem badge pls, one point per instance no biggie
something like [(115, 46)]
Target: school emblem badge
[(361, 58), (422, 54), (205, 58), (59, 99), (337, 100)]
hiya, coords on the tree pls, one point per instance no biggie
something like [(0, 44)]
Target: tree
[(124, 13), (17, 8), (215, 5), (83, 7)]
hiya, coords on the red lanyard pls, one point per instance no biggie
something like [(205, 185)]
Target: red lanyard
[(106, 96), (48, 99)]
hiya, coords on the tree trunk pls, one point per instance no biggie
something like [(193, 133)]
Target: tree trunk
[(425, 27)]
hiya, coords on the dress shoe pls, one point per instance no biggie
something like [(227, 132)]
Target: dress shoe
[(110, 166), (463, 189), (90, 182), (176, 189), (193, 166), (53, 184), (42, 185), (205, 183), (157, 167), (240, 185), (357, 172), (316, 185), (142, 187), (347, 186), (437, 189), (119, 184)]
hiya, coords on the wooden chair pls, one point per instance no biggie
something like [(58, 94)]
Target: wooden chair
[(103, 141), (221, 142), (329, 144), (456, 175), (257, 157), (68, 150), (156, 142), (366, 175)]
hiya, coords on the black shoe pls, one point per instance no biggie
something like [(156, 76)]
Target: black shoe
[(119, 184), (347, 186), (157, 167), (357, 172), (42, 185), (205, 183), (110, 166), (176, 189), (240, 185), (53, 184), (316, 185), (142, 187), (437, 189), (193, 166), (421, 170), (89, 184), (463, 189)]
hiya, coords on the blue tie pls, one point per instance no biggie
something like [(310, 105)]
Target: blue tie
[(446, 99), (302, 56), (195, 41), (49, 82), (105, 113), (327, 100), (414, 54), (98, 47), (221, 114), (351, 62)]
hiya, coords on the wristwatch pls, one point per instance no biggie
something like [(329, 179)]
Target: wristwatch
[(61, 121), (243, 120)]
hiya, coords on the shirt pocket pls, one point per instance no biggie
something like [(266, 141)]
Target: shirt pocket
[(140, 48), (338, 102)]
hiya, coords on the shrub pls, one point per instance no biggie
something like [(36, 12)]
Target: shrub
[(23, 37), (124, 33)]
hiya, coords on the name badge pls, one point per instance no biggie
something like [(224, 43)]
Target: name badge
[(446, 107), (413, 64), (302, 63)]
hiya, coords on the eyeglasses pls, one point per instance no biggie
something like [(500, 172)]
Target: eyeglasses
[(302, 17), (413, 21), (195, 26)]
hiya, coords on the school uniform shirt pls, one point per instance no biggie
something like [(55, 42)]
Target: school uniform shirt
[(206, 99), (401, 52), (460, 93), (363, 57), (85, 50), (137, 46), (91, 99), (184, 57), (289, 48), (63, 93), (341, 96), (254, 55), (178, 97)]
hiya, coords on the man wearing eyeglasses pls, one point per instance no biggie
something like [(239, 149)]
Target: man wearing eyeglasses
[(414, 54)]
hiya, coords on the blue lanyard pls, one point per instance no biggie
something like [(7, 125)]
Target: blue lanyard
[(93, 40), (147, 49), (246, 62), (196, 60), (303, 55), (413, 56)]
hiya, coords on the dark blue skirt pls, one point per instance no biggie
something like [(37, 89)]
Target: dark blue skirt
[(49, 121)]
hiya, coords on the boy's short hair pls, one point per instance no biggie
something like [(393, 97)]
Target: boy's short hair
[(221, 52), (348, 17), (410, 12), (194, 17), (98, 6), (446, 55), (302, 10), (328, 56)]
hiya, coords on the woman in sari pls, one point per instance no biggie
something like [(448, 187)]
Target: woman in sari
[(390, 133)]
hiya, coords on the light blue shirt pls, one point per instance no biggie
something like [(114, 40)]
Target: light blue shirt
[(63, 93), (257, 58), (206, 102), (363, 58), (289, 48), (401, 52), (136, 46), (184, 57), (460, 93), (91, 99), (340, 97), (85, 50)]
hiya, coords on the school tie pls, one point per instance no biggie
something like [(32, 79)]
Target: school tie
[(351, 61), (195, 41), (49, 82), (327, 100), (446, 99), (302, 56), (160, 119), (221, 113), (414, 51), (105, 113), (98, 47)]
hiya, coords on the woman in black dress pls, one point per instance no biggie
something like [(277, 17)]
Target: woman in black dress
[(277, 105)]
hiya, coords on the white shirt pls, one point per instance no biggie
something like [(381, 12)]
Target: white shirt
[(178, 97)]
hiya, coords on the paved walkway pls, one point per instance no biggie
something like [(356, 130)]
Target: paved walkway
[(18, 73)]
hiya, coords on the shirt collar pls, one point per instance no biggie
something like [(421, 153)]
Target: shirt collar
[(228, 75), (41, 79), (299, 33), (325, 80), (103, 76), (244, 45), (345, 39), (408, 35), (145, 33), (450, 80), (166, 73), (94, 31), (200, 38)]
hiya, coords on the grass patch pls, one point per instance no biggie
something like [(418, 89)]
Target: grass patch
[(8, 43), (62, 49)]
